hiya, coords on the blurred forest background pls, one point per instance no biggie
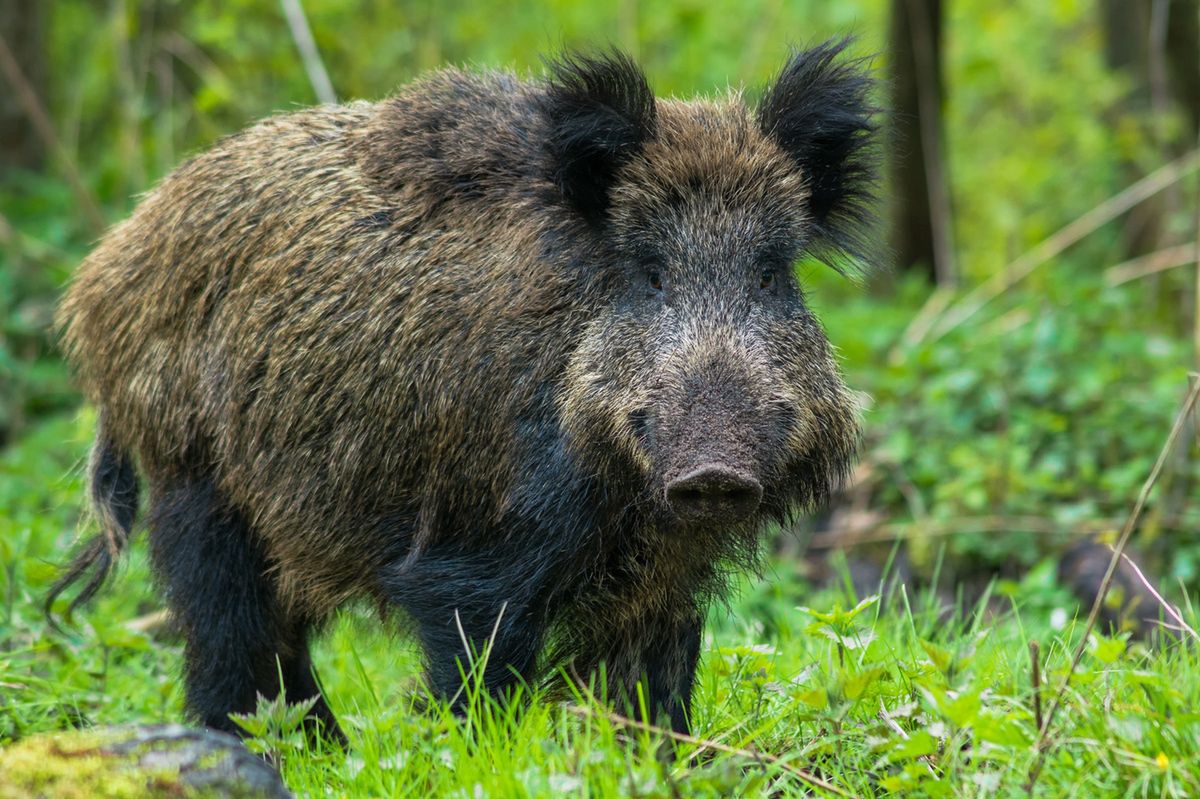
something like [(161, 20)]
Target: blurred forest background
[(1023, 357)]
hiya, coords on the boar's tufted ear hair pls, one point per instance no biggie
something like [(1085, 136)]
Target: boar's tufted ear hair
[(600, 111), (819, 112)]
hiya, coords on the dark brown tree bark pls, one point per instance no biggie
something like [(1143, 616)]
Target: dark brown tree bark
[(919, 221), (1156, 45), (1183, 59), (1127, 27), (23, 28)]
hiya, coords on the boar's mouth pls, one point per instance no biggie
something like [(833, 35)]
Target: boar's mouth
[(716, 470), (724, 443), (714, 494)]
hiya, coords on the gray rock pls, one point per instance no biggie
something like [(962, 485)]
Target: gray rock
[(152, 761)]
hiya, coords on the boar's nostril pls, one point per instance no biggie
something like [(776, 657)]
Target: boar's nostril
[(714, 494)]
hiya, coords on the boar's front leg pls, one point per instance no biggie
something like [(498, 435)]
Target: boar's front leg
[(671, 662), (472, 608), (660, 651)]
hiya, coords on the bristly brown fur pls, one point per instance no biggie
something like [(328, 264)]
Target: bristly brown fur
[(448, 351)]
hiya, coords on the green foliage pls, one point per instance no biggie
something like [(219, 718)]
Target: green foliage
[(992, 446), (885, 696), (33, 381), (1050, 407), (49, 681), (277, 725), (1029, 149), (138, 86)]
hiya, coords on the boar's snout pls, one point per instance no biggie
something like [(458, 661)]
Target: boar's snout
[(714, 494)]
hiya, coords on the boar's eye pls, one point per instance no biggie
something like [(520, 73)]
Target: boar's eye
[(766, 281), (654, 278)]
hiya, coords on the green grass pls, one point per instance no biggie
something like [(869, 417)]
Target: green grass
[(888, 698)]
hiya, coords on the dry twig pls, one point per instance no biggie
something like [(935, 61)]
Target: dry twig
[(1170, 609), (151, 624), (1181, 419), (704, 743), (1036, 678), (921, 323), (1150, 264), (972, 302), (849, 535), (302, 35)]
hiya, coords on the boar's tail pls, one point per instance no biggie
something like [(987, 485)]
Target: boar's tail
[(113, 486)]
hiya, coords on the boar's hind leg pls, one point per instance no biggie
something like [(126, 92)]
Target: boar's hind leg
[(239, 641)]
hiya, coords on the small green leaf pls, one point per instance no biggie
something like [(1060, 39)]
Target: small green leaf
[(1105, 649), (918, 744)]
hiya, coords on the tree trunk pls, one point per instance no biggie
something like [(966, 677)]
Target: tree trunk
[(1127, 29), (23, 27), (1156, 45), (920, 220), (1183, 60)]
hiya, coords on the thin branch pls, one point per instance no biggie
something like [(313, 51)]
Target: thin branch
[(302, 35), (759, 757), (194, 58), (973, 301), (849, 535), (1196, 292), (1036, 679), (1131, 523), (1170, 609), (27, 245), (921, 323), (33, 108), (1150, 264), (131, 95)]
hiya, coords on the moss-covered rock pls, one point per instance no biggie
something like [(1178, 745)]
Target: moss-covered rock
[(136, 763)]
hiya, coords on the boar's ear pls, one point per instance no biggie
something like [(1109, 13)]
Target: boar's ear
[(600, 111), (819, 112)]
